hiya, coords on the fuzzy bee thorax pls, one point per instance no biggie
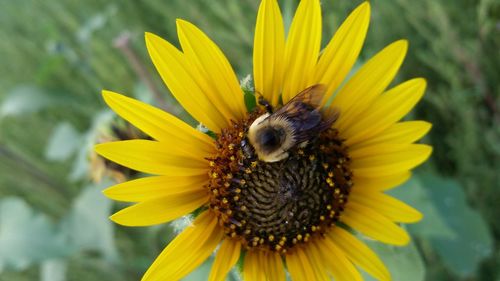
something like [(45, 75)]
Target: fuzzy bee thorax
[(271, 137)]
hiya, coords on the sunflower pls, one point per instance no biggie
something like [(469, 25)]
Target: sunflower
[(298, 214)]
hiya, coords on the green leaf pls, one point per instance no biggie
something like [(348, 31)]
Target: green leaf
[(53, 270), (404, 263), (80, 168), (434, 223), (100, 122), (472, 242), (25, 236), (24, 99), (88, 226), (63, 142), (246, 85), (250, 101)]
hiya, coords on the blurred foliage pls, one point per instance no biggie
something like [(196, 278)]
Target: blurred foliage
[(58, 55)]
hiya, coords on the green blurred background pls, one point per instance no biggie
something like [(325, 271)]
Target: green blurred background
[(56, 57)]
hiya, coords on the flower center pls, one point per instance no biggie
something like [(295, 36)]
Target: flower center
[(278, 205)]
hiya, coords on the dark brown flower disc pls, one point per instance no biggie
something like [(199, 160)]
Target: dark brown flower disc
[(278, 205)]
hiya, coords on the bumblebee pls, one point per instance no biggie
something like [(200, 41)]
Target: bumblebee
[(297, 122)]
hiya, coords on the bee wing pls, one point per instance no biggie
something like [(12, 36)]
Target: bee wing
[(310, 97), (330, 114), (305, 115)]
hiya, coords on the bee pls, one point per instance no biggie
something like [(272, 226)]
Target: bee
[(297, 122)]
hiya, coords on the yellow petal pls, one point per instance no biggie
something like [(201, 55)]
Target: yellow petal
[(379, 149), (341, 53), (317, 261), (187, 251), (369, 163), (268, 58), (152, 157), (213, 68), (336, 262), (385, 111), (161, 210), (381, 183), (160, 125), (359, 253), (252, 267), (226, 258), (373, 225), (148, 188), (185, 83), (273, 265), (302, 48), (386, 205), (300, 266), (368, 83), (399, 133)]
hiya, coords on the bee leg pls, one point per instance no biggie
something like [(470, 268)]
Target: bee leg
[(265, 103), (282, 156), (247, 149)]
